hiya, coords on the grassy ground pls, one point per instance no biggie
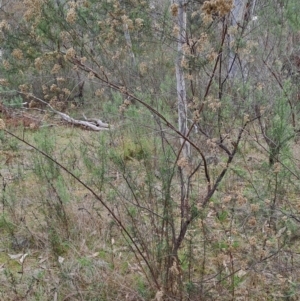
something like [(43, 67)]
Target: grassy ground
[(58, 242)]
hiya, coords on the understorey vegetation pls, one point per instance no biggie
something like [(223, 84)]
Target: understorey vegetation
[(149, 150)]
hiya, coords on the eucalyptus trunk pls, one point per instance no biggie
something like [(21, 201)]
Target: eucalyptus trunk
[(180, 81), (237, 19), (128, 39)]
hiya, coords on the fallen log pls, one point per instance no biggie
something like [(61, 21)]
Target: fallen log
[(91, 123)]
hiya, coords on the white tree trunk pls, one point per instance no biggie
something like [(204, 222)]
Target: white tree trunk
[(128, 38), (237, 16), (180, 81), (129, 44)]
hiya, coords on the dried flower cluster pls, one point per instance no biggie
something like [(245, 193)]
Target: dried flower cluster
[(246, 52), (2, 124), (71, 16), (61, 80), (202, 43), (56, 68), (99, 92), (57, 104), (128, 22), (55, 93), (183, 162), (65, 36), (124, 106), (54, 88), (4, 25), (4, 82), (216, 7), (17, 54), (143, 68), (6, 64), (196, 115), (176, 30), (66, 91), (91, 75), (213, 104), (174, 9), (212, 144), (83, 60), (212, 56), (38, 63), (24, 88), (70, 54), (33, 9), (139, 23)]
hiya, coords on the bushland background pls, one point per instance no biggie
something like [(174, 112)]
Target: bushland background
[(149, 150)]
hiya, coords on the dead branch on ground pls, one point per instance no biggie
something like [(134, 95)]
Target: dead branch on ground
[(90, 124)]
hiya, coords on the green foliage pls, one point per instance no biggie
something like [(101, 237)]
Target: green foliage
[(292, 11), (58, 246), (6, 225), (16, 102), (222, 216), (84, 262), (280, 130), (170, 226), (135, 150), (61, 188), (142, 288)]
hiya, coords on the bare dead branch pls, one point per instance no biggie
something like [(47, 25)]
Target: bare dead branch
[(91, 123)]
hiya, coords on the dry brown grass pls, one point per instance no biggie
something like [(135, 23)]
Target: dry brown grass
[(75, 250)]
